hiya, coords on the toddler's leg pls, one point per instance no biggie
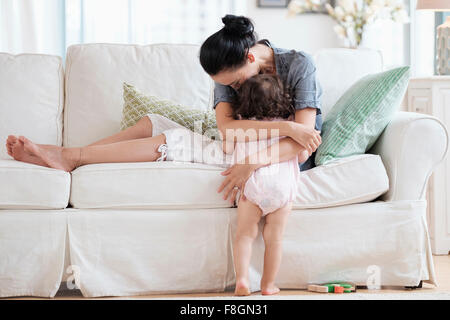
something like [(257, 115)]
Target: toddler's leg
[(273, 238), (248, 217)]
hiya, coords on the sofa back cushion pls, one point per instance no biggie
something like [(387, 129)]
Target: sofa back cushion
[(95, 74), (32, 98), (339, 68)]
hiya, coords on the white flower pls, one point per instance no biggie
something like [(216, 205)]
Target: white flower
[(379, 3), (296, 7), (368, 11), (340, 30), (360, 4), (370, 19), (400, 16), (330, 9), (339, 12), (394, 3), (349, 19), (347, 5)]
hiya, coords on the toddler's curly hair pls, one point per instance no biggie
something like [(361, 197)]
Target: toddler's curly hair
[(262, 96)]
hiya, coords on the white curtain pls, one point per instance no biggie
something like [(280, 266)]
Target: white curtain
[(146, 21), (49, 26), (34, 26)]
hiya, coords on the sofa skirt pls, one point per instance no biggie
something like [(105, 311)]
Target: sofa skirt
[(106, 252)]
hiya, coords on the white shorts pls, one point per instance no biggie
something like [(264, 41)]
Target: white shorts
[(184, 145)]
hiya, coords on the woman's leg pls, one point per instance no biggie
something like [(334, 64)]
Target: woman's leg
[(67, 159), (248, 217), (142, 129), (273, 240)]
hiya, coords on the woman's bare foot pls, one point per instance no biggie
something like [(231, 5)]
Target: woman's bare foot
[(269, 289), (16, 149), (53, 156), (242, 288)]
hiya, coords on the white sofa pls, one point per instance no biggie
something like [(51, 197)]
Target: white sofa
[(142, 228)]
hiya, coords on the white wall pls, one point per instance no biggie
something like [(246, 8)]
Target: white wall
[(306, 32)]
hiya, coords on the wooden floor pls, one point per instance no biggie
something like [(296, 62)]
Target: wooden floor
[(441, 264)]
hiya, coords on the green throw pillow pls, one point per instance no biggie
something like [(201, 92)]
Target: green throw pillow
[(362, 113), (137, 105)]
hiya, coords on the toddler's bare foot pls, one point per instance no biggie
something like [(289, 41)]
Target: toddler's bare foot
[(269, 289), (16, 149), (242, 288), (54, 156)]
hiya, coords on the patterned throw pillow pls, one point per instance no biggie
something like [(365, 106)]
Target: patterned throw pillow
[(137, 105), (359, 117)]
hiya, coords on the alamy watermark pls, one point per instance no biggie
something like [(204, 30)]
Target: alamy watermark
[(373, 281), (73, 281), (240, 146)]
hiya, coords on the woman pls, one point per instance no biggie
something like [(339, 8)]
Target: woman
[(232, 55), (229, 56)]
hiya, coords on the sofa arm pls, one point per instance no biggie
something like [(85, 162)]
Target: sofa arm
[(411, 147)]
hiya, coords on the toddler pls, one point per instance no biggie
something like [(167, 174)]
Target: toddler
[(270, 190)]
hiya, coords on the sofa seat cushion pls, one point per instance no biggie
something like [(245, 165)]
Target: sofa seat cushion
[(175, 185), (29, 186), (156, 185), (354, 179)]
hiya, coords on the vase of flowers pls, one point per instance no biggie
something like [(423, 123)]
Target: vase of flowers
[(353, 16)]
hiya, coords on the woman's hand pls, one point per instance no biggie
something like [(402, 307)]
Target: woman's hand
[(236, 176), (306, 136)]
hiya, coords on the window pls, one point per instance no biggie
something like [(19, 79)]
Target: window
[(50, 26), (146, 22)]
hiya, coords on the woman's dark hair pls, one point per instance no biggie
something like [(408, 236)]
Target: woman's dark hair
[(227, 49), (262, 96)]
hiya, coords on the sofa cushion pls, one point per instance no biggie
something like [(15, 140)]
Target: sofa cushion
[(155, 185), (172, 185), (32, 97), (95, 74), (354, 179), (137, 105), (356, 121), (29, 186)]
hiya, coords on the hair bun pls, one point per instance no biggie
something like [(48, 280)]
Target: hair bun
[(238, 25)]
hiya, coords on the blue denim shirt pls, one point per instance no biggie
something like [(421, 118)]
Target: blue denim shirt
[(297, 72)]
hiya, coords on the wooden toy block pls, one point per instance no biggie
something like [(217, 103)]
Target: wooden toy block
[(348, 287), (318, 288), (332, 288), (338, 289)]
